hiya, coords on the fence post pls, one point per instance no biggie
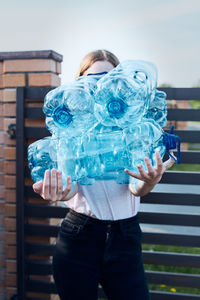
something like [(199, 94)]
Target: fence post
[(17, 69)]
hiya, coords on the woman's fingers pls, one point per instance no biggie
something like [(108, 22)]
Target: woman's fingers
[(53, 186), (59, 183), (143, 174), (159, 163), (135, 175), (46, 186), (153, 174), (68, 187), (53, 180), (150, 168), (37, 187), (168, 163)]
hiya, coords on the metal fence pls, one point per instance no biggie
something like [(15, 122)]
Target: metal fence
[(34, 217)]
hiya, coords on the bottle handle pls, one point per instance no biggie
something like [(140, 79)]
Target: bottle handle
[(172, 141)]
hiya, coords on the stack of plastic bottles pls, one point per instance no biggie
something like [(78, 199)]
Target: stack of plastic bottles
[(102, 124)]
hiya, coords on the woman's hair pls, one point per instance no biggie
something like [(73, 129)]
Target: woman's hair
[(97, 55)]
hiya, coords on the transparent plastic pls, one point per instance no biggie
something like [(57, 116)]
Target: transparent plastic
[(102, 124), (124, 94), (42, 155), (69, 108)]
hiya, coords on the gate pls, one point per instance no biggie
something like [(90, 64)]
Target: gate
[(36, 231)]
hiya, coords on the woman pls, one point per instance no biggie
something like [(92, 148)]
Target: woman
[(100, 237)]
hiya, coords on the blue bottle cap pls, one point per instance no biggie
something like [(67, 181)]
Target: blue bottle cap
[(100, 73)]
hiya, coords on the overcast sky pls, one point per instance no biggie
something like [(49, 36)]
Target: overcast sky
[(164, 32)]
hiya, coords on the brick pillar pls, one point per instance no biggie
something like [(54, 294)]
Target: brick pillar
[(27, 68), (2, 232)]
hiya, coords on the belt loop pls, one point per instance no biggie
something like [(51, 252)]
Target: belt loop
[(86, 220), (78, 217)]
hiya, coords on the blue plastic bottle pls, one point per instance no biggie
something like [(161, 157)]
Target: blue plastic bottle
[(157, 109), (42, 155), (124, 94), (69, 109)]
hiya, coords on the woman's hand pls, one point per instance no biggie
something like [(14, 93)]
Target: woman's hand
[(52, 187), (150, 178)]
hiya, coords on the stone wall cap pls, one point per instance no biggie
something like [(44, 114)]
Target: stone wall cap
[(31, 55)]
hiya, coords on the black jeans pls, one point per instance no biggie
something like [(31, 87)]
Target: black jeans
[(91, 251)]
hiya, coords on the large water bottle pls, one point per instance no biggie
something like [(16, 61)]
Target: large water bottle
[(69, 108), (96, 155), (157, 109), (69, 155), (101, 155), (124, 94), (116, 150), (42, 155), (105, 155)]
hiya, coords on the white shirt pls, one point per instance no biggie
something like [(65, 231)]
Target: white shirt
[(105, 200)]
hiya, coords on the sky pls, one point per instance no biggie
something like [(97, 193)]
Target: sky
[(166, 33)]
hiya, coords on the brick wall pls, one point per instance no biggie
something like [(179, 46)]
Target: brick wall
[(27, 68), (2, 232)]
